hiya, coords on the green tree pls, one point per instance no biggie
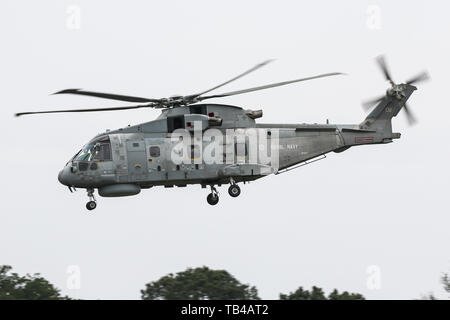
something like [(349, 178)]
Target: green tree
[(198, 284), (318, 294), (445, 279), (335, 295), (29, 287), (446, 282)]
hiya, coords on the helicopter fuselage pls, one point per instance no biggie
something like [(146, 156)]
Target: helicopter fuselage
[(124, 161)]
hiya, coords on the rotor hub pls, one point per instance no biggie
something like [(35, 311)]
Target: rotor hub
[(397, 91)]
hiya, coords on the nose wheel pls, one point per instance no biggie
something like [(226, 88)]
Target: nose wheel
[(213, 197), (92, 204)]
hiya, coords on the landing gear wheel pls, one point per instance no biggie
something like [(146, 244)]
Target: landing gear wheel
[(91, 205), (212, 199), (234, 190)]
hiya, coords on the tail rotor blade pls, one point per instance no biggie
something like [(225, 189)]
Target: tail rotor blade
[(411, 119), (383, 65), (367, 105), (423, 76)]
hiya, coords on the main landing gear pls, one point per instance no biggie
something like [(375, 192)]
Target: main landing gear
[(213, 197), (233, 190), (92, 204)]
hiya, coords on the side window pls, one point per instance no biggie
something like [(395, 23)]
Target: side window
[(155, 151), (102, 152)]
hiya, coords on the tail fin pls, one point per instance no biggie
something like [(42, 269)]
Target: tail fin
[(380, 118)]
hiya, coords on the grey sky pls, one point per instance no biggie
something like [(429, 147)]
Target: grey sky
[(322, 225)]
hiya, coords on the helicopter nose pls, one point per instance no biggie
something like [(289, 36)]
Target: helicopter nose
[(63, 177)]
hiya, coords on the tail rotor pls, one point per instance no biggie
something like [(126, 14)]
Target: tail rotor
[(396, 91)]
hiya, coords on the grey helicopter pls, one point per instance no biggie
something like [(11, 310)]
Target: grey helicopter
[(213, 144)]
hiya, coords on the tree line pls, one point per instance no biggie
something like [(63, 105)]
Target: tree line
[(200, 283)]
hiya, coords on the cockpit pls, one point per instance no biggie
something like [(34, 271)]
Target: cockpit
[(97, 150), (94, 160)]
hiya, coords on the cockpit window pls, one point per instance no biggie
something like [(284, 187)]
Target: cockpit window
[(99, 150), (87, 153)]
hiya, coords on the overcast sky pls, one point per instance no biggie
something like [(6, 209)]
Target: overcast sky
[(372, 212)]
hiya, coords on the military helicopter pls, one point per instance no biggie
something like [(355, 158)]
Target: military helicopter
[(169, 151)]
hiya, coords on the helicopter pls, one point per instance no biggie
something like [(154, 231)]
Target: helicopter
[(207, 144)]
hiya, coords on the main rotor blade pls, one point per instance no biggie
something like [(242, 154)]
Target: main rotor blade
[(106, 95), (278, 84), (423, 76), (411, 119), (383, 65), (367, 105), (262, 64), (85, 110)]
